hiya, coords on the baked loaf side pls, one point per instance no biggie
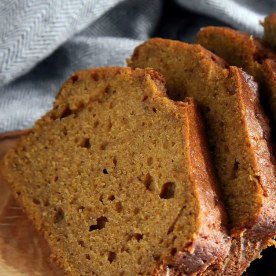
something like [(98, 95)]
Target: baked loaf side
[(269, 25), (115, 180), (238, 135), (242, 50)]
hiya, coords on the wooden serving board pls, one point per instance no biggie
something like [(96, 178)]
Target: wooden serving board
[(23, 251)]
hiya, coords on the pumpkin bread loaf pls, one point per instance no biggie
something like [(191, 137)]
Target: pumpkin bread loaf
[(118, 178), (243, 50), (238, 133)]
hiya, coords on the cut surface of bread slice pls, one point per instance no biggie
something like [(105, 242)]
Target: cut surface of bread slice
[(118, 178), (242, 50), (238, 134), (269, 25)]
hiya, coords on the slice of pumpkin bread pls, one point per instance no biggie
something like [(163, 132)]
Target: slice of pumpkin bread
[(118, 178), (243, 50), (238, 136)]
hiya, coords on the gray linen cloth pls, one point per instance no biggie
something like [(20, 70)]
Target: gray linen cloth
[(42, 42)]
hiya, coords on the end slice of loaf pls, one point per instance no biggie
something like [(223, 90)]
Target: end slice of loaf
[(118, 178), (238, 135), (243, 50)]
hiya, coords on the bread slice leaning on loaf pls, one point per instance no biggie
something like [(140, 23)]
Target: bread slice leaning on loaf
[(238, 136), (118, 179), (249, 53)]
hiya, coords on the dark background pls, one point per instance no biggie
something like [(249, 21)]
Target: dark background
[(181, 24)]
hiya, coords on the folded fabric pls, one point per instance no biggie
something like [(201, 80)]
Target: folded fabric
[(244, 15)]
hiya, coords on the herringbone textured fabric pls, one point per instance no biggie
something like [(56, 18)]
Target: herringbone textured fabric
[(244, 15), (32, 29)]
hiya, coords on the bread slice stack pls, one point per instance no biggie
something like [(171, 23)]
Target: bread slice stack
[(121, 179), (238, 136)]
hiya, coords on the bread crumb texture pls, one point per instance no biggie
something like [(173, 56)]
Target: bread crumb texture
[(106, 174)]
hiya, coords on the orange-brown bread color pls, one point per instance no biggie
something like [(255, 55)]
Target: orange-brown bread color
[(118, 178), (242, 50)]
